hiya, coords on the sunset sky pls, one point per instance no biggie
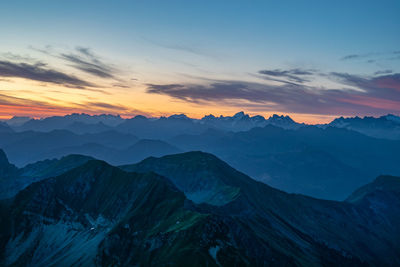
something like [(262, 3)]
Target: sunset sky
[(312, 60)]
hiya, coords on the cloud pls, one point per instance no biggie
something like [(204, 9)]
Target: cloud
[(40, 72), (81, 58), (384, 86), (353, 56), (85, 60), (379, 72), (372, 57), (120, 85), (192, 49), (16, 57), (359, 56), (105, 106), (27, 107), (18, 102), (374, 95), (291, 75)]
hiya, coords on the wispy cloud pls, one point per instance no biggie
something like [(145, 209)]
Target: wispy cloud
[(17, 101), (373, 56), (27, 107), (40, 72), (379, 72), (379, 94), (15, 57), (192, 49), (80, 58), (381, 86), (106, 106), (85, 60), (292, 75)]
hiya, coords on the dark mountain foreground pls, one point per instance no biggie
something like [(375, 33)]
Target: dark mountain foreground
[(13, 179), (193, 209)]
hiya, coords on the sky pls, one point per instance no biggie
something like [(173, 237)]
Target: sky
[(312, 60)]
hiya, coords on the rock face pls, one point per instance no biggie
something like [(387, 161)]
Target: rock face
[(97, 214)]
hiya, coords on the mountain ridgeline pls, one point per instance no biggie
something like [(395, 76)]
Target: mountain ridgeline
[(387, 127), (325, 161), (13, 179), (193, 208)]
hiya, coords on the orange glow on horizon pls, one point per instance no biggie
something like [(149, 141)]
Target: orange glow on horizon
[(19, 97), (7, 112)]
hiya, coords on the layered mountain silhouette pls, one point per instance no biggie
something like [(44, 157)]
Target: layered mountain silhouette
[(193, 208), (64, 122), (28, 147), (138, 151), (387, 127), (325, 161), (143, 127), (165, 127), (13, 179)]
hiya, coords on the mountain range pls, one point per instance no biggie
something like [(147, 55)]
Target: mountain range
[(193, 208), (387, 126), (324, 161)]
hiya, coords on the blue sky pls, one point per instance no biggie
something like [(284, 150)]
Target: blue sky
[(180, 42)]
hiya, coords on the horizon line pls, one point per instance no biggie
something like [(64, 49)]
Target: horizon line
[(251, 115)]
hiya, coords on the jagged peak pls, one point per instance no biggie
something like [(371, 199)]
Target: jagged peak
[(240, 115), (179, 116), (208, 117), (276, 118)]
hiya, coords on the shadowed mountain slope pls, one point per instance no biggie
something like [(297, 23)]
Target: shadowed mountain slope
[(12, 179), (97, 214)]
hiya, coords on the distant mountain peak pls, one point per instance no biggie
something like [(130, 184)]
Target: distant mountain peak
[(283, 121), (208, 117), (387, 127), (140, 117), (240, 115), (17, 120), (179, 117), (276, 117)]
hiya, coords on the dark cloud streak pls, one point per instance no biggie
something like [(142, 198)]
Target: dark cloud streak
[(87, 62), (292, 75), (40, 72), (373, 56), (376, 94)]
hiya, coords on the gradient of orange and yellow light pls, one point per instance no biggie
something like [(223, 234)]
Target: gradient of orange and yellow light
[(35, 99)]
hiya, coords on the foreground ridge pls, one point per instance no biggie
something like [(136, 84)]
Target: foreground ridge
[(191, 207)]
